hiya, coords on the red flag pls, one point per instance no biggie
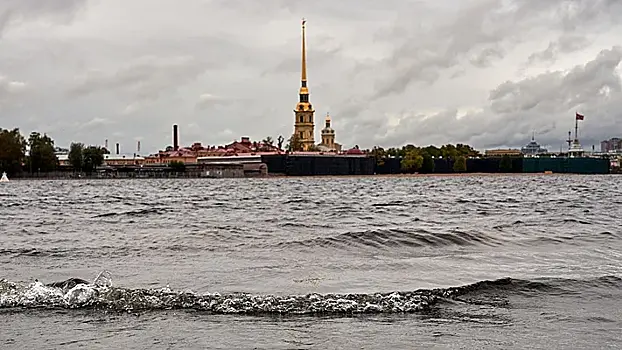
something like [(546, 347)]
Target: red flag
[(579, 116)]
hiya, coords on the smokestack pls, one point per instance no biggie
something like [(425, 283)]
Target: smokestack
[(117, 148), (175, 137), (138, 147), (106, 144)]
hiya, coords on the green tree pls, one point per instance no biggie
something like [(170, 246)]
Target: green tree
[(92, 157), (449, 151), (42, 156), (428, 164), (313, 148), (295, 144), (268, 141), (76, 158), (505, 165), (466, 150), (12, 151), (432, 151), (460, 164), (379, 154), (412, 161), (266, 144)]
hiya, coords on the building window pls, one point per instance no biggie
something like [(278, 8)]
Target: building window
[(302, 135), (302, 119)]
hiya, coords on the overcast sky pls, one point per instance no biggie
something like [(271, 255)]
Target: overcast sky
[(483, 72)]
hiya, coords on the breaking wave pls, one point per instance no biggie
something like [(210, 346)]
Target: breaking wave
[(101, 295)]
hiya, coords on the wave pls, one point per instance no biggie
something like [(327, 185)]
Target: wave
[(137, 213), (101, 295), (390, 238)]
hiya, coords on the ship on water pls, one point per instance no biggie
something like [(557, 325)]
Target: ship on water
[(575, 161)]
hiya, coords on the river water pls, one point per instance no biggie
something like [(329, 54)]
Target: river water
[(531, 261)]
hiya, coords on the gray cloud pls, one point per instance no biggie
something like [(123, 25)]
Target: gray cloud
[(12, 12), (145, 78), (566, 44), (485, 28), (9, 90), (547, 101), (390, 72)]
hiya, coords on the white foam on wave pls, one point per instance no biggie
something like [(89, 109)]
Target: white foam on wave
[(120, 299), (37, 294)]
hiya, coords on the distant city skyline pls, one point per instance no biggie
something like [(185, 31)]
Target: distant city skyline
[(482, 73)]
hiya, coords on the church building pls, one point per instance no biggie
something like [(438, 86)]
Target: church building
[(328, 138)]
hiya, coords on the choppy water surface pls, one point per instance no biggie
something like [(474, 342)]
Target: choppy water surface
[(382, 263)]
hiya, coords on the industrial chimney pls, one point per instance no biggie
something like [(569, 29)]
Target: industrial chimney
[(117, 148), (138, 147), (175, 137), (106, 144)]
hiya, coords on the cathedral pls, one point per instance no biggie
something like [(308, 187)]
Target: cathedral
[(304, 125)]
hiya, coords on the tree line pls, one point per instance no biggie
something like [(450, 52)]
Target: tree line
[(41, 155), (421, 159), (37, 154)]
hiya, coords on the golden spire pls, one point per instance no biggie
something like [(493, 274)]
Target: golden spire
[(327, 117), (304, 54), (303, 77)]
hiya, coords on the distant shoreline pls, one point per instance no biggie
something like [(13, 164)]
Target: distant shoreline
[(282, 176), (433, 175)]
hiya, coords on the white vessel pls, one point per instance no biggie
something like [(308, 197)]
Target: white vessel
[(4, 178)]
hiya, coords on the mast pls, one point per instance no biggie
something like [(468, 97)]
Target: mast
[(576, 130)]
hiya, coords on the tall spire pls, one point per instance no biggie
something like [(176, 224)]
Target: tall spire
[(303, 77), (304, 91)]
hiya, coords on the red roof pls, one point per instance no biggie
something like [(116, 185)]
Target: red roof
[(354, 151)]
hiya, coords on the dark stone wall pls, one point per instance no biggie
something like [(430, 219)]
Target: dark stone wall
[(296, 165), (567, 165), (275, 162), (519, 165)]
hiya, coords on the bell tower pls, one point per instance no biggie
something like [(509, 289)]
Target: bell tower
[(328, 134), (304, 128)]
